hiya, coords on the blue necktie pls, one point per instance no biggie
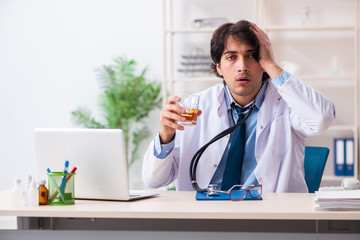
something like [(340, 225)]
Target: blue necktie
[(235, 158)]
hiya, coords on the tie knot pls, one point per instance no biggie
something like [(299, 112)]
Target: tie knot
[(238, 110)]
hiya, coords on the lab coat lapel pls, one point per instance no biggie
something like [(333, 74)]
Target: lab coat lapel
[(213, 154), (221, 124)]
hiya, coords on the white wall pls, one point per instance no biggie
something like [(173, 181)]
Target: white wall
[(48, 53), (49, 50)]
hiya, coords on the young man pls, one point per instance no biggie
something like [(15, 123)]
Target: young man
[(285, 112)]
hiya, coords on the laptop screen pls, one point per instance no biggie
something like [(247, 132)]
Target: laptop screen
[(98, 154)]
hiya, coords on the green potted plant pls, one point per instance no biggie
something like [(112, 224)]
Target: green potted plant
[(126, 102)]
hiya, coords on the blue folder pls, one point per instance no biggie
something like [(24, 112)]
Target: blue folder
[(349, 157), (339, 158), (223, 196), (344, 156)]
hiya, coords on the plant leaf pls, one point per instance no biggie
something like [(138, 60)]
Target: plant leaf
[(82, 116)]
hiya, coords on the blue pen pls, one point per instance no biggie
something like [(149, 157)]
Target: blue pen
[(64, 177)]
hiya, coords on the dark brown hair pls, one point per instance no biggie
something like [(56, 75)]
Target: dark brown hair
[(241, 32)]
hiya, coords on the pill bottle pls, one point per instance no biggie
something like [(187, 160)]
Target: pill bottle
[(43, 193)]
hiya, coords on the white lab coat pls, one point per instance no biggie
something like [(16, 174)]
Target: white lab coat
[(285, 118)]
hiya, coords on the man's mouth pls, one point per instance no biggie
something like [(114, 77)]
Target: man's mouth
[(242, 79)]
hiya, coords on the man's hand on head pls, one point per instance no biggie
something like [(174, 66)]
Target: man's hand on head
[(266, 55)]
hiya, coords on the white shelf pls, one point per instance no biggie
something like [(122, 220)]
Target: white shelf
[(190, 30), (209, 78), (326, 77), (330, 83), (309, 28), (333, 180), (342, 128), (269, 28), (322, 81)]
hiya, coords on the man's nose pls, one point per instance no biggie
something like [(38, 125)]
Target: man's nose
[(241, 65)]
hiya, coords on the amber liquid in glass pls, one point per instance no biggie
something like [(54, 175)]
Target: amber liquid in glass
[(190, 117)]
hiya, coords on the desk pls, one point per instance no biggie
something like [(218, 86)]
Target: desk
[(179, 211)]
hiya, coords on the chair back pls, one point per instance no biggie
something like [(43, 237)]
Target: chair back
[(314, 164)]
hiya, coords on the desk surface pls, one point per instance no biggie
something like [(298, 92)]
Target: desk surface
[(182, 205)]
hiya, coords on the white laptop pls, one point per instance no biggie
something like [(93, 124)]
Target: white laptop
[(98, 154)]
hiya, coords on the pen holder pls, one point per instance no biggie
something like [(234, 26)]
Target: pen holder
[(61, 188)]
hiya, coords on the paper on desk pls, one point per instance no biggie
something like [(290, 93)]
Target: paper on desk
[(348, 194), (340, 204), (337, 200)]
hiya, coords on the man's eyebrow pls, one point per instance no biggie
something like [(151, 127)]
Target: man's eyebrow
[(229, 52), (232, 52)]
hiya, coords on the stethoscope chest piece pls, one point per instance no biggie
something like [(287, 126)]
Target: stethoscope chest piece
[(212, 190)]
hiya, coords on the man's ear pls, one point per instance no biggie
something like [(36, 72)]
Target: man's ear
[(218, 69)]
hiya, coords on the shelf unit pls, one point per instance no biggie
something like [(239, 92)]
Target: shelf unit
[(335, 87)]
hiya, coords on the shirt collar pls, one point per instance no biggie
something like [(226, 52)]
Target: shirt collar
[(259, 98)]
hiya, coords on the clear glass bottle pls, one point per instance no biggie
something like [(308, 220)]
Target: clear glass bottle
[(43, 193)]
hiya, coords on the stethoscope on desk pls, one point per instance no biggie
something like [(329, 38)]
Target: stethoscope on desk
[(196, 157)]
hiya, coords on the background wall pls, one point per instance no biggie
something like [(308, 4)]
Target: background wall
[(49, 51)]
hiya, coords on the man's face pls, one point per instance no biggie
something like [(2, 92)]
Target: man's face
[(241, 72)]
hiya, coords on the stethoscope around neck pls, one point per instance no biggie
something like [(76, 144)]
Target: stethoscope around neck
[(197, 155)]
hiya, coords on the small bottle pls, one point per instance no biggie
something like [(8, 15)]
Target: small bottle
[(335, 66), (17, 194), (33, 195), (27, 188), (43, 193)]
